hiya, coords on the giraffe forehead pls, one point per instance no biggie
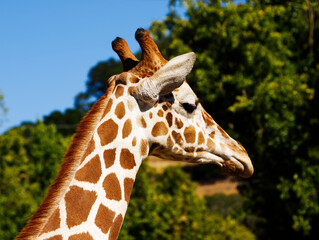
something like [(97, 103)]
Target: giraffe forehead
[(125, 79)]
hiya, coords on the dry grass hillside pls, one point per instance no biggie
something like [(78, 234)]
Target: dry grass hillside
[(226, 186)]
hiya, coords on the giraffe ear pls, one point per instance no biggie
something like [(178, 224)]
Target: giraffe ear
[(166, 79)]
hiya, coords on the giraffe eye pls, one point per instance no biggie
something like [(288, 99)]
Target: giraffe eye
[(189, 107)]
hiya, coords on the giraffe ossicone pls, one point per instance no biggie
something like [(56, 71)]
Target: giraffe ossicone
[(149, 109)]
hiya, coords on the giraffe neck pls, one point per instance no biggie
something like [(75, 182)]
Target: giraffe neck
[(96, 200)]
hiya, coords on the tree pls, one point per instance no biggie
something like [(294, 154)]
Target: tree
[(29, 161), (257, 73), (66, 123)]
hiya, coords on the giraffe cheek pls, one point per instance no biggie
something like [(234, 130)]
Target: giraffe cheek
[(201, 138), (159, 129), (211, 145), (178, 138), (190, 134), (169, 142)]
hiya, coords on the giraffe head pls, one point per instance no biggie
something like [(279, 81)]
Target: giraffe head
[(169, 114)]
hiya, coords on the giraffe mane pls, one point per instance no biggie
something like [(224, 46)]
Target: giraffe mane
[(67, 170)]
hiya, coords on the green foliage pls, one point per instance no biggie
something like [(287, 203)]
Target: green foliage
[(225, 206), (29, 161), (304, 188), (66, 123), (257, 72), (165, 206)]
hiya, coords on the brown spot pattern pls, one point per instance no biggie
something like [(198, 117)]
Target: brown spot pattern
[(200, 149), (190, 134), (211, 145), (115, 229), (212, 134), (78, 203), (121, 78), (127, 159), (108, 107), (119, 91), (151, 115), (132, 91), (53, 223), (201, 138), (134, 141), (91, 171), (107, 131), (109, 157), (112, 187), (169, 119), (189, 149), (81, 236), (144, 146), (160, 113), (164, 107), (170, 143), (179, 123), (134, 79), (177, 137), (89, 150), (56, 237), (127, 128), (142, 122), (120, 110), (104, 218), (128, 186), (130, 106), (159, 129)]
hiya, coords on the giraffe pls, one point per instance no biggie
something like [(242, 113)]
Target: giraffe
[(148, 109)]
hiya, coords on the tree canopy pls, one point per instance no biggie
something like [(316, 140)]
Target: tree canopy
[(29, 161), (257, 73)]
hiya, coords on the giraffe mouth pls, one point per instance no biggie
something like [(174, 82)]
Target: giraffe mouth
[(231, 166), (237, 167)]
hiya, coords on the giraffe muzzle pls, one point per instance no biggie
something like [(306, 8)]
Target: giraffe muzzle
[(238, 167)]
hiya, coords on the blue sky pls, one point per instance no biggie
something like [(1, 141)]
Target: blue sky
[(48, 47)]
